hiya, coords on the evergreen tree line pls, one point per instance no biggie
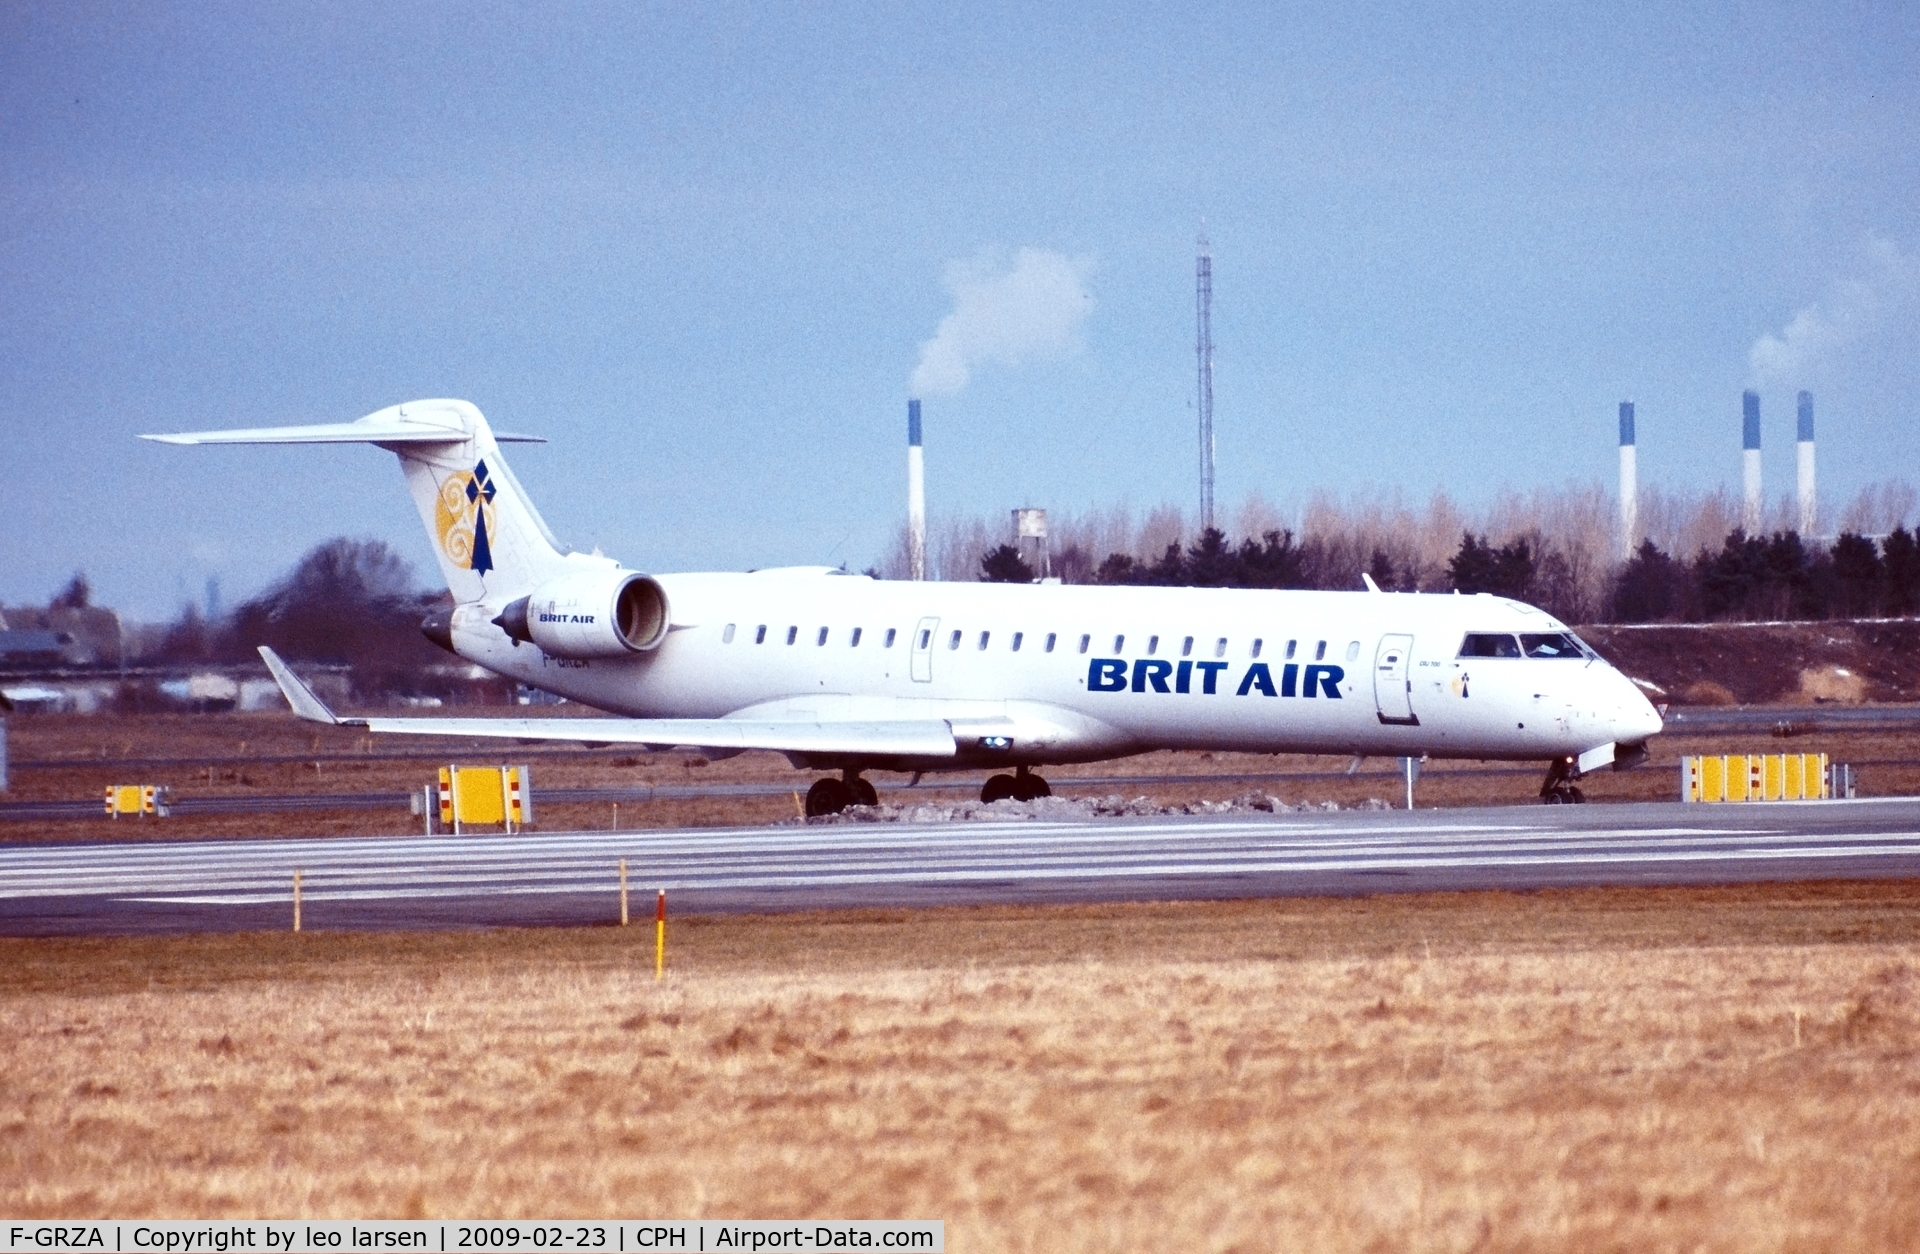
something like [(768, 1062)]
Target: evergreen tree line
[(1772, 577), (1750, 577), (1526, 568)]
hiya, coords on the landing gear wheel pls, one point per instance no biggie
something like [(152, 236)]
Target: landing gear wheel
[(1558, 789), (827, 796), (1028, 787), (997, 788), (863, 793)]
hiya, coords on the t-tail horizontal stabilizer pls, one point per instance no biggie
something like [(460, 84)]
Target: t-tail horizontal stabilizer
[(919, 738), (387, 427)]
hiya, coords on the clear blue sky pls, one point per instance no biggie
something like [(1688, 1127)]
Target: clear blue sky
[(700, 247)]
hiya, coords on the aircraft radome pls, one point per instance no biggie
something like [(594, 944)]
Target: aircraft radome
[(849, 674)]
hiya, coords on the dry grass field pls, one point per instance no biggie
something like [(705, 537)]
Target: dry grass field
[(1648, 1069)]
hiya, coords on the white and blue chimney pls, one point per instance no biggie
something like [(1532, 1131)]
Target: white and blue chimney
[(1629, 485), (916, 497), (1809, 507), (1751, 518)]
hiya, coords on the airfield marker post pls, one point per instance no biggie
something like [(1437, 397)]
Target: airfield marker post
[(296, 899), (660, 937), (623, 892)]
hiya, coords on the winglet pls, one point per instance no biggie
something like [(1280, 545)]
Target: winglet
[(298, 695), (1368, 579)]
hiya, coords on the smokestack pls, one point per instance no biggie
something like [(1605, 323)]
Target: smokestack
[(916, 497), (1629, 485), (1750, 460), (1203, 301), (1809, 512)]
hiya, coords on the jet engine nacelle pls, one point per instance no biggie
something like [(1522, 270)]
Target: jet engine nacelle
[(594, 614)]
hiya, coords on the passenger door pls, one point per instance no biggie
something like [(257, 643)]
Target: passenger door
[(923, 650), (1392, 689)]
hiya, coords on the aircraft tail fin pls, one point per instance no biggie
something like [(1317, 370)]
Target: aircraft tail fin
[(491, 543)]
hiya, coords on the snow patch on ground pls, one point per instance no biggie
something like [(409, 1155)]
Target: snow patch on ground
[(1070, 809)]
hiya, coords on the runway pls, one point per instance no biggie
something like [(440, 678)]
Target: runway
[(570, 878)]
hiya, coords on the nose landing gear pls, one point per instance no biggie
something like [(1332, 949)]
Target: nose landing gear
[(830, 796), (1022, 785), (1558, 788)]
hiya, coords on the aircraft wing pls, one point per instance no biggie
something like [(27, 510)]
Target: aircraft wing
[(930, 738)]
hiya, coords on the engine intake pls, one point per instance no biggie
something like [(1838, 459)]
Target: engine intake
[(598, 614)]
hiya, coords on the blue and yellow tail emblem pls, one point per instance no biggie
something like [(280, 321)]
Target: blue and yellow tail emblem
[(463, 518)]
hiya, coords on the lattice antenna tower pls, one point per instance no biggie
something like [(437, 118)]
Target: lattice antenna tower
[(1203, 350)]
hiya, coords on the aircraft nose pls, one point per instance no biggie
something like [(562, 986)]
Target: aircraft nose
[(1638, 719)]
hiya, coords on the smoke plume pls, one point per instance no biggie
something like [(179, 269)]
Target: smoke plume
[(1865, 320), (1004, 316)]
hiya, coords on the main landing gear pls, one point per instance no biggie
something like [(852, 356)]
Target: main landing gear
[(1558, 788), (1022, 785), (830, 796)]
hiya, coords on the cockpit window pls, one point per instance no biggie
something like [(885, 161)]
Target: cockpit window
[(1489, 644), (1551, 644)]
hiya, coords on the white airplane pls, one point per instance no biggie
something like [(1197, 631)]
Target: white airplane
[(846, 673)]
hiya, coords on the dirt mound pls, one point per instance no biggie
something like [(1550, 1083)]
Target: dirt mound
[(1832, 683), (1769, 663)]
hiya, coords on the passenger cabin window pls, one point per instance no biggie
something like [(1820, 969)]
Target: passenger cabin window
[(1119, 644), (953, 641), (1488, 644), (983, 640), (1051, 637), (1555, 644), (1291, 646), (1353, 650), (1220, 647), (823, 637), (760, 634), (888, 643), (1256, 647), (726, 637), (793, 634), (854, 642), (1320, 651), (925, 638), (1153, 645), (1186, 647), (1018, 636), (1084, 642)]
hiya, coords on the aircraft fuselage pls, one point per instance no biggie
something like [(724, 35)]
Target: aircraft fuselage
[(1077, 673)]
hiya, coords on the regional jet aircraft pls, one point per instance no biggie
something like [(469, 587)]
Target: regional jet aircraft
[(848, 674)]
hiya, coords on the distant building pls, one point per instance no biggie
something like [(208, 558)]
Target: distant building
[(88, 636), (37, 699), (35, 650)]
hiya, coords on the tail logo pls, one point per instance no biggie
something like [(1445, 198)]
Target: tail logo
[(463, 517)]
